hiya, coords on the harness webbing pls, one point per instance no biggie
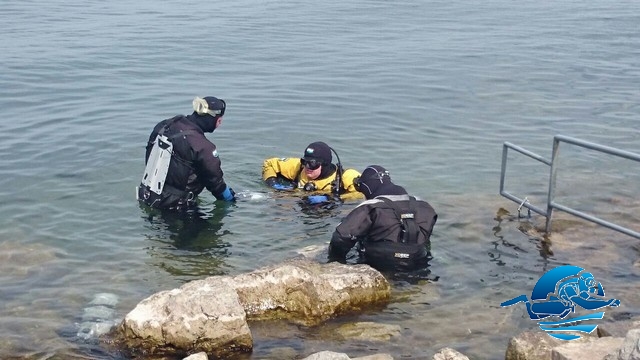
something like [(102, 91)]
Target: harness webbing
[(180, 133), (410, 228)]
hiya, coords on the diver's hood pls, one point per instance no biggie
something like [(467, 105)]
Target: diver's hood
[(327, 170), (375, 181), (376, 188), (205, 122)]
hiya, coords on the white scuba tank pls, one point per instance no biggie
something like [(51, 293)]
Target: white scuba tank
[(155, 173)]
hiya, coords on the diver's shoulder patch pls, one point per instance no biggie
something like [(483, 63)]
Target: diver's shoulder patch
[(214, 153)]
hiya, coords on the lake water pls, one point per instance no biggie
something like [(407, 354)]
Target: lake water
[(429, 89)]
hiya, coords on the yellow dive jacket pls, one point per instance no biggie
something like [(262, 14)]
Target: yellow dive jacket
[(291, 168)]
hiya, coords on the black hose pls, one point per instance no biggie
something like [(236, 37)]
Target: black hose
[(338, 184)]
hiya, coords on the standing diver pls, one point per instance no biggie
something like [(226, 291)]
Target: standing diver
[(181, 161)]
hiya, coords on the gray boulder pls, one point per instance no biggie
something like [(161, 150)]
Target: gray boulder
[(198, 356), (531, 346), (618, 328), (210, 315), (306, 292), (593, 348), (201, 316), (540, 346), (330, 355), (449, 354), (629, 348)]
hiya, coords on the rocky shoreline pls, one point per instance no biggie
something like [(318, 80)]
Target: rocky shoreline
[(209, 317)]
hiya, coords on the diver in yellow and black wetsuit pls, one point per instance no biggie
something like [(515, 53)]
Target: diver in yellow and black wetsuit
[(314, 173)]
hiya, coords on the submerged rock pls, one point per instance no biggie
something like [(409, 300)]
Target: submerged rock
[(368, 331), (99, 317)]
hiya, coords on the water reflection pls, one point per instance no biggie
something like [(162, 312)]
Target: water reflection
[(421, 275), (320, 210), (189, 245), (501, 246), (504, 250), (415, 277)]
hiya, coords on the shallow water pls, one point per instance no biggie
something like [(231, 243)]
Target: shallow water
[(429, 89)]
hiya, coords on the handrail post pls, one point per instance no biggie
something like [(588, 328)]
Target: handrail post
[(552, 182), (504, 166)]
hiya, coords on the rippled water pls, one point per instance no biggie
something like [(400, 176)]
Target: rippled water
[(429, 89)]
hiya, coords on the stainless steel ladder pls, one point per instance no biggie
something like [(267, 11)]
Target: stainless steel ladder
[(551, 204)]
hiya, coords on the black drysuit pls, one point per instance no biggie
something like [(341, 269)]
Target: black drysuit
[(393, 231), (194, 164)]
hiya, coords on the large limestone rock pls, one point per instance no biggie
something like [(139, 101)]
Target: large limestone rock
[(594, 348), (531, 346), (449, 354), (210, 315), (618, 328), (328, 355), (199, 316), (308, 292), (198, 356), (629, 349), (540, 346), (331, 355)]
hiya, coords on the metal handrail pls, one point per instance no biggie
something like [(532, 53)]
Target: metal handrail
[(551, 204)]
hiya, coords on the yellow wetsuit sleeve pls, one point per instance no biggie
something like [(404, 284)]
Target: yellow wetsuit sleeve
[(288, 168), (347, 184)]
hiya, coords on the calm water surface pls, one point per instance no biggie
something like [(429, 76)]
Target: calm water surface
[(429, 89)]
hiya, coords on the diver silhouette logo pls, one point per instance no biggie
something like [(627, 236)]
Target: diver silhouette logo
[(557, 294)]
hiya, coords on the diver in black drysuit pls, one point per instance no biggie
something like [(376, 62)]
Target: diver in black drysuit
[(195, 163), (393, 229)]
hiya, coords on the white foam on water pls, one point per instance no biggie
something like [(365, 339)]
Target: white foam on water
[(98, 313), (312, 251), (89, 330), (106, 299), (251, 195)]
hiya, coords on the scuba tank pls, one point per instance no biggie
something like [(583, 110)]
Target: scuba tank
[(155, 173), (156, 170)]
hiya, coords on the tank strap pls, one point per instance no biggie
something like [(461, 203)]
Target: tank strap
[(410, 228), (336, 185), (179, 134), (168, 124)]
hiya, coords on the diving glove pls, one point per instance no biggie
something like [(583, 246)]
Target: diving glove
[(279, 184), (317, 199), (228, 194)]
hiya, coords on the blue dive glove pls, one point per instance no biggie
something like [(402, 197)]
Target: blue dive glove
[(280, 183), (317, 199), (282, 187), (228, 194)]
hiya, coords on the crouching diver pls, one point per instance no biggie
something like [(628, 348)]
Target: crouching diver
[(393, 229), (181, 161), (314, 173)]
